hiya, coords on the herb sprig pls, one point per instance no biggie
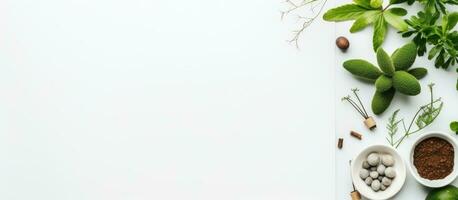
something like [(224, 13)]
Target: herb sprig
[(425, 116)]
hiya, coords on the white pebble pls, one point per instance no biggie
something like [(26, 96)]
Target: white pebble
[(380, 178), (382, 187), (373, 174), (368, 181), (373, 159), (390, 172), (375, 185), (373, 168), (381, 169), (386, 181), (387, 160), (366, 165), (363, 173)]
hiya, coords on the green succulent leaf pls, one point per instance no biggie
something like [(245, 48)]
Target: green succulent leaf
[(384, 61), (362, 69), (406, 83), (383, 83), (418, 73), (382, 100), (380, 29), (404, 57), (364, 20), (344, 13), (454, 127), (395, 20)]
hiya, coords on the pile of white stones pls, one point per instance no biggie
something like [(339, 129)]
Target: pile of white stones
[(377, 171)]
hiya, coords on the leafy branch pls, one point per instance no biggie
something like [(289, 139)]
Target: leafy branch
[(425, 116)]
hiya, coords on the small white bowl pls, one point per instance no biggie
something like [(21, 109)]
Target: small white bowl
[(434, 183), (398, 181)]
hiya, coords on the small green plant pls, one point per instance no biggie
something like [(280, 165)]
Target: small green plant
[(394, 74), (425, 116), (367, 12), (454, 126)]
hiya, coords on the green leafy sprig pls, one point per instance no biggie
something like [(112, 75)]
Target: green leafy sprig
[(454, 127), (425, 116), (367, 12)]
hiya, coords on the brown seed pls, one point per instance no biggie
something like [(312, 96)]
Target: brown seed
[(342, 43), (340, 143), (356, 135)]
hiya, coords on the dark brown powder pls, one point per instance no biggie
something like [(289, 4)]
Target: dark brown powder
[(434, 158)]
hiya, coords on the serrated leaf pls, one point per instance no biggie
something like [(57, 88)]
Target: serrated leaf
[(364, 20), (344, 13), (398, 11), (380, 29), (395, 21)]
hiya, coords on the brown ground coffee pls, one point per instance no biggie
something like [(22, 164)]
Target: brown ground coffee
[(434, 158)]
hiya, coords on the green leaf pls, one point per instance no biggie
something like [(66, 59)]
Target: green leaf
[(454, 127), (363, 3), (376, 3), (395, 20), (452, 20), (380, 29), (364, 20), (384, 61), (433, 52), (398, 11), (418, 73), (362, 69), (404, 57), (344, 13), (397, 1)]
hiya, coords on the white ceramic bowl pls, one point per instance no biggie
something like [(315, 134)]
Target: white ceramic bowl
[(398, 181), (434, 183)]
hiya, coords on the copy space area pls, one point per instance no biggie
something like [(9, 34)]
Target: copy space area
[(165, 100)]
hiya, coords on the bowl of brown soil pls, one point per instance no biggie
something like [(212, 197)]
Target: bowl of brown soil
[(433, 159)]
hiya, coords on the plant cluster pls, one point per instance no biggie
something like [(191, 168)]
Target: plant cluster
[(394, 74), (433, 26), (425, 116)]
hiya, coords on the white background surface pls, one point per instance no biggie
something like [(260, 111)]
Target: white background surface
[(137, 99), (347, 118)]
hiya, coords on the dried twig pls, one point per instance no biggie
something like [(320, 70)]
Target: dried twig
[(294, 7)]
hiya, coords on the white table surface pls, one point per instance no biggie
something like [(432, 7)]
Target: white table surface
[(347, 119), (165, 100)]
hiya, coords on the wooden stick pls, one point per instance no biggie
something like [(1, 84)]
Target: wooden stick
[(355, 195), (340, 143), (356, 135)]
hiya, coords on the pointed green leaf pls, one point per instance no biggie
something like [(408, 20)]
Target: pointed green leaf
[(364, 20), (404, 57), (398, 11), (395, 21), (380, 29), (344, 13), (384, 62), (452, 20)]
